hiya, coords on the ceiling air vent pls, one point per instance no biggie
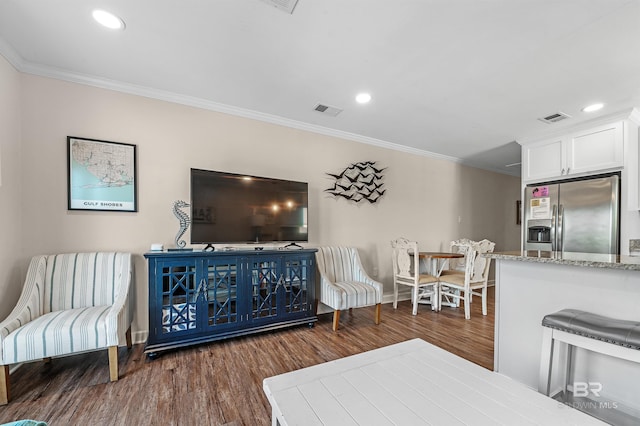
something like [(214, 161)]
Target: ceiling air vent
[(554, 118), (326, 109), (286, 5)]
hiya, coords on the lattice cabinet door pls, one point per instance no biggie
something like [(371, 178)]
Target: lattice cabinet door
[(267, 290), (222, 295), (177, 296), (298, 274)]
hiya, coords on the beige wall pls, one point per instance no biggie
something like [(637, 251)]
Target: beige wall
[(12, 262), (424, 196)]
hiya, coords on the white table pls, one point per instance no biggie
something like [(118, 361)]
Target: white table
[(410, 383)]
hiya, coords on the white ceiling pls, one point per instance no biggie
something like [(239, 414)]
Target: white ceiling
[(461, 79)]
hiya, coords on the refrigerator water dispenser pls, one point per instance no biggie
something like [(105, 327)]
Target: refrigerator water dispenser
[(539, 231)]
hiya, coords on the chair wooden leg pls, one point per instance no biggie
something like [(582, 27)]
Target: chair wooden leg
[(336, 319), (46, 360), (395, 295), (378, 309), (113, 363), (128, 337), (484, 300), (414, 300), (4, 385), (467, 305)]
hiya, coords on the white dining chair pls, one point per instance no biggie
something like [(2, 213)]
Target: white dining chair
[(406, 272), (457, 265), (457, 286)]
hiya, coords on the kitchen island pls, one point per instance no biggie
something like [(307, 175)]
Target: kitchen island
[(530, 285)]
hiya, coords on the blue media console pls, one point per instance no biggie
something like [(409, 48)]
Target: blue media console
[(197, 296)]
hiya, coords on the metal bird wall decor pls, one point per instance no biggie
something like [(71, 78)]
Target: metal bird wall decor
[(359, 182)]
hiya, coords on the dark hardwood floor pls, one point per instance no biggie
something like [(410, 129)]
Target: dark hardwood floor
[(221, 383)]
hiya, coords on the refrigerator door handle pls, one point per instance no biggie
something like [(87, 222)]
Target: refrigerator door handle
[(554, 219), (614, 246), (560, 244)]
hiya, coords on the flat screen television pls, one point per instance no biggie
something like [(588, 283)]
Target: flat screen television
[(231, 208)]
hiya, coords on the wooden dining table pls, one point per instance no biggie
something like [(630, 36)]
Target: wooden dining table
[(434, 270), (437, 255)]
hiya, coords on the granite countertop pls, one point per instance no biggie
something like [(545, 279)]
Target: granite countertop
[(590, 260)]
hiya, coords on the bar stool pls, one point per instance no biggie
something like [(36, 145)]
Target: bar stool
[(613, 337)]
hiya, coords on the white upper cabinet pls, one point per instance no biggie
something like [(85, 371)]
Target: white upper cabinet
[(576, 154), (544, 160), (600, 148)]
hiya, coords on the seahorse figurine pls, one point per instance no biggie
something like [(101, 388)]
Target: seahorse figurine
[(184, 219)]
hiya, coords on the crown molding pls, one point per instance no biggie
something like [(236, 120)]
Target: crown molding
[(10, 54), (55, 73), (201, 103), (635, 116)]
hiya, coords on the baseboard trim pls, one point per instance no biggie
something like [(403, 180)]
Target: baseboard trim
[(140, 336)]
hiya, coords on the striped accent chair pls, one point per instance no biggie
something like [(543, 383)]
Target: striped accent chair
[(344, 284), (70, 303)]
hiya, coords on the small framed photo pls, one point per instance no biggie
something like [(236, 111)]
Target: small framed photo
[(101, 175)]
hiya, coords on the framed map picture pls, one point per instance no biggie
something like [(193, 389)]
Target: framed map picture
[(101, 175)]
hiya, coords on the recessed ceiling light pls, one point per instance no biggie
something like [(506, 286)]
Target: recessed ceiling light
[(592, 108), (108, 20), (363, 98)]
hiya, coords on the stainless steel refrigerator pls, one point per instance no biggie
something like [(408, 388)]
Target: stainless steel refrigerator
[(581, 215)]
